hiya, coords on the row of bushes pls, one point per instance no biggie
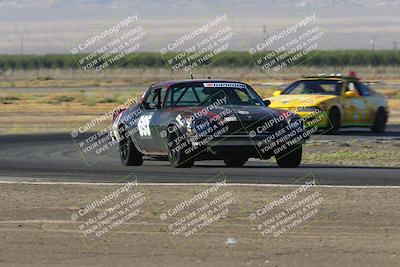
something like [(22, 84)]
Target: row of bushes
[(228, 59)]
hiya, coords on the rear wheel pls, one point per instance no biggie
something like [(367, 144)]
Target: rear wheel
[(335, 120), (290, 159), (379, 121), (236, 161), (128, 153), (178, 153)]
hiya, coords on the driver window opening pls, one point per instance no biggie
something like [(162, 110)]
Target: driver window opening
[(155, 98), (351, 87)]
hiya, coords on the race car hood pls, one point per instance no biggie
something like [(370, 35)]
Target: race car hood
[(292, 101), (243, 113)]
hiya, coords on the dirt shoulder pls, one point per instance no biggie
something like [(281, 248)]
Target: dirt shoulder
[(352, 227), (353, 152)]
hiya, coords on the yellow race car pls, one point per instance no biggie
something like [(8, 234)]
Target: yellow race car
[(334, 101)]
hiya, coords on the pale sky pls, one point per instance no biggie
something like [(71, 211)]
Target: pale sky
[(56, 26)]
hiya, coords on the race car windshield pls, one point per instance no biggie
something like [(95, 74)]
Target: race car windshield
[(203, 96), (314, 87)]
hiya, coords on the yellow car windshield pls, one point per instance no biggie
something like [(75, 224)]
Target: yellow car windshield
[(322, 87)]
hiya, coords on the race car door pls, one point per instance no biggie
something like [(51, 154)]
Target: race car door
[(355, 107), (148, 122), (370, 108)]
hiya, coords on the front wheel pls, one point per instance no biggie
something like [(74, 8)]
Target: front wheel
[(235, 162), (379, 121), (179, 154), (290, 159), (335, 120)]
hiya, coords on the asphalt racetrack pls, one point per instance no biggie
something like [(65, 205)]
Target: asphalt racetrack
[(54, 157)]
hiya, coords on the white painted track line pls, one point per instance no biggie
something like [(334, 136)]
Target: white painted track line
[(178, 184)]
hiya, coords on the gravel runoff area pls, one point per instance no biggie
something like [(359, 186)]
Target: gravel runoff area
[(131, 224)]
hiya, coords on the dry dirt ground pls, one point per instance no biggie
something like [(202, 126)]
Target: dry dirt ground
[(353, 152), (48, 112), (345, 227)]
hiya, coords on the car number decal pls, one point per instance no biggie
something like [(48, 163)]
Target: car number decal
[(144, 125)]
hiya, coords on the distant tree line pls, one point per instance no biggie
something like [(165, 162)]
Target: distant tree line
[(225, 59)]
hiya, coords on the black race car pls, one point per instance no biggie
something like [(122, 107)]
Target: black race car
[(191, 120)]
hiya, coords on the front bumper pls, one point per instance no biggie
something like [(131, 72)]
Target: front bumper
[(237, 140), (320, 120), (266, 145)]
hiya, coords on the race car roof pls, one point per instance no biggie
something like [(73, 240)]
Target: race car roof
[(169, 83), (330, 77)]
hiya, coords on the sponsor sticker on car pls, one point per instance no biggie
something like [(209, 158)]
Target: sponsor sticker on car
[(234, 85)]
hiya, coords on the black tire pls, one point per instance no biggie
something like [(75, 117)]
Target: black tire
[(335, 120), (128, 153), (290, 159), (379, 121), (236, 161), (177, 157)]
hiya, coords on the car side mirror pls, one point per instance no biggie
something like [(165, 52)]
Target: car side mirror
[(267, 102), (154, 105), (277, 93), (350, 94)]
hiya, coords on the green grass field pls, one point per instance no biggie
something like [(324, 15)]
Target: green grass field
[(230, 59)]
